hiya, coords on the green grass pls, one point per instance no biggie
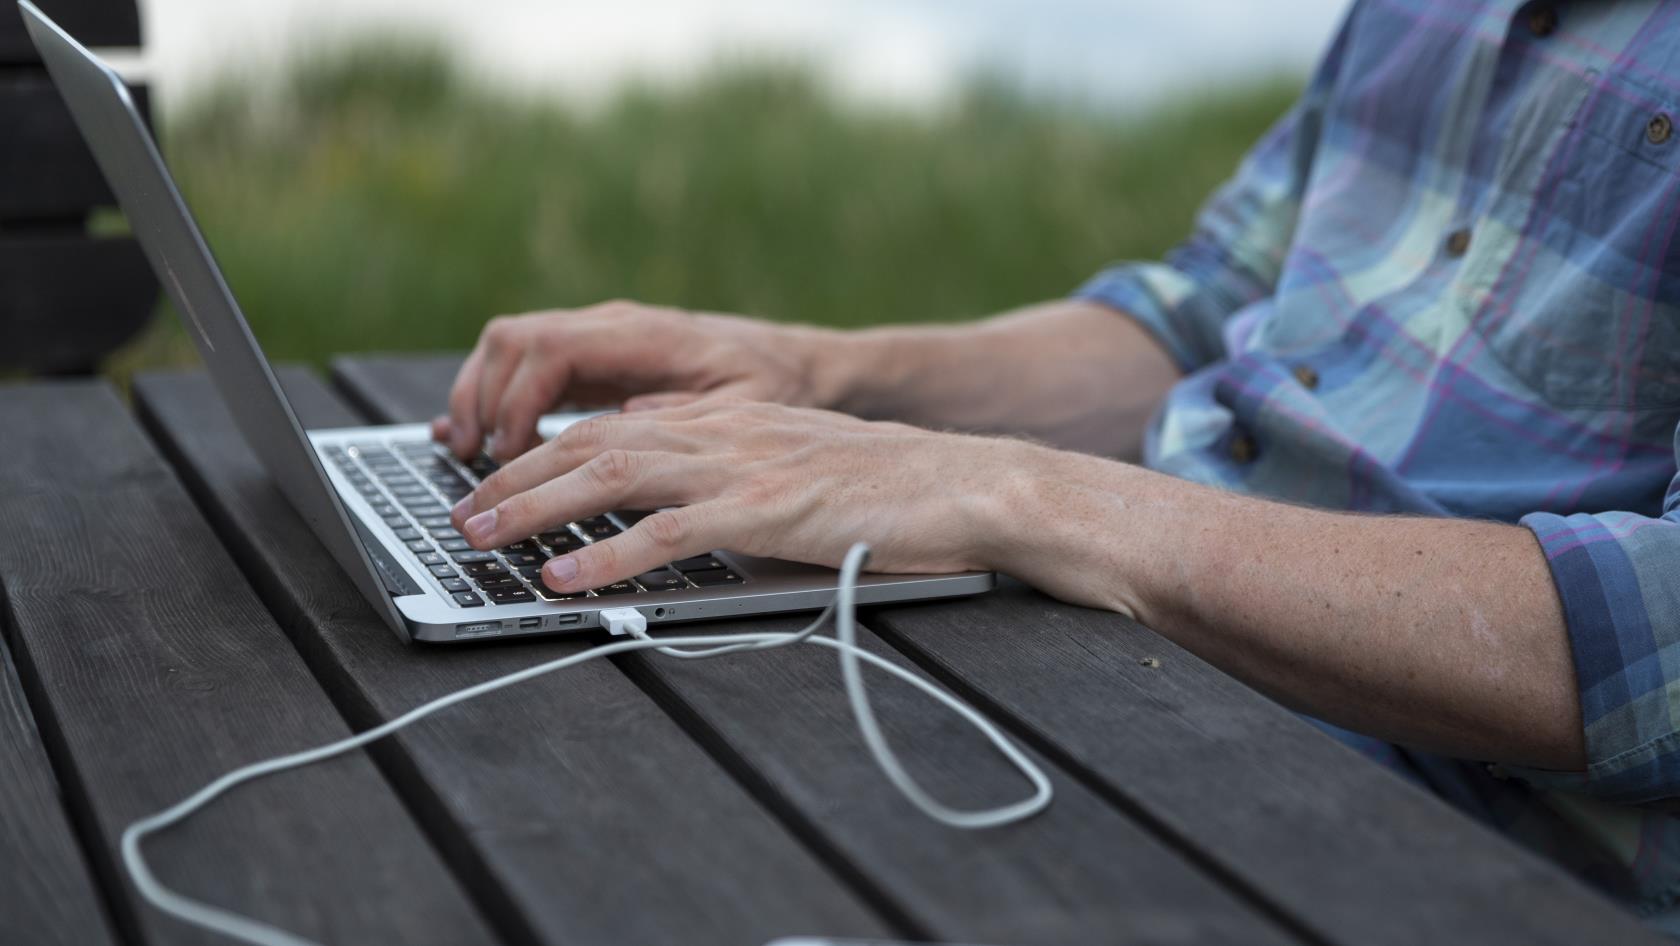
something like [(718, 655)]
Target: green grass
[(374, 194)]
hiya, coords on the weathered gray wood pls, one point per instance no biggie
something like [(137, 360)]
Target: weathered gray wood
[(46, 169), (1082, 872), (576, 808), (1352, 851), (67, 299), (152, 668), (93, 22), (47, 895)]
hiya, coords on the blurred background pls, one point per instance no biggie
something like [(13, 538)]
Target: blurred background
[(387, 174)]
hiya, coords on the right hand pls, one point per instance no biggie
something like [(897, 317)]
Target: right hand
[(639, 356)]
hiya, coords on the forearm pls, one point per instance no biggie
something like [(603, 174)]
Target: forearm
[(1075, 374), (1435, 633)]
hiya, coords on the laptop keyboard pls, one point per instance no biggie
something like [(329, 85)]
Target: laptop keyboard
[(412, 485)]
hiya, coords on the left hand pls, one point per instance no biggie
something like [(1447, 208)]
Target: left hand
[(760, 479)]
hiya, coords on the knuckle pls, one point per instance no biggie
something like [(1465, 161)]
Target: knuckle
[(667, 529), (588, 434), (615, 469)]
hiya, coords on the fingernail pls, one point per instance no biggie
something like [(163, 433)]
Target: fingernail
[(490, 445), (462, 508), (479, 527), (562, 569)]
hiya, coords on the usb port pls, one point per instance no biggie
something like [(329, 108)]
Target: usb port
[(530, 622), (568, 619)]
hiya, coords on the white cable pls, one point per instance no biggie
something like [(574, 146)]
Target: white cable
[(258, 933)]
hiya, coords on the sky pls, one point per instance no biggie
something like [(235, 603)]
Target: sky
[(907, 51)]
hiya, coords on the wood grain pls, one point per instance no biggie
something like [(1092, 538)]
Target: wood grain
[(91, 22), (151, 668), (47, 895), (1082, 872), (576, 809), (1353, 852)]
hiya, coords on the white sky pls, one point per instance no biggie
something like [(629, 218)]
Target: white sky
[(909, 51)]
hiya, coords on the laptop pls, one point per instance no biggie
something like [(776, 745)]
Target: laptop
[(378, 498)]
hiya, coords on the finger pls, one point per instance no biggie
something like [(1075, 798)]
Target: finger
[(664, 399), (500, 361), (574, 446), (533, 389), (440, 428), (658, 540), (613, 480), (464, 435)]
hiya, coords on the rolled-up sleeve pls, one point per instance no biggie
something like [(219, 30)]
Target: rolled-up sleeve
[(1618, 578), (1236, 251)]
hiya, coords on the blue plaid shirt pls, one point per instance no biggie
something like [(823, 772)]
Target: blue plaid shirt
[(1447, 283)]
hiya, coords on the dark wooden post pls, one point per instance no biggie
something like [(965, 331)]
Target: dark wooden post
[(67, 297)]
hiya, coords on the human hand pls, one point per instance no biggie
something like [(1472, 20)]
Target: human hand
[(760, 479), (656, 357)]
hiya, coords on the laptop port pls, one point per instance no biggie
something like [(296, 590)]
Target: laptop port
[(565, 619), (478, 629), (530, 622)]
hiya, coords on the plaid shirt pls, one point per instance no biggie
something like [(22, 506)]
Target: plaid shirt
[(1448, 283)]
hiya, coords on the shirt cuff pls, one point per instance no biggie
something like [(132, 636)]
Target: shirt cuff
[(1615, 577), (1156, 295)]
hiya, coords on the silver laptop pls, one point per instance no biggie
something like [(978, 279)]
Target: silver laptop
[(379, 497)]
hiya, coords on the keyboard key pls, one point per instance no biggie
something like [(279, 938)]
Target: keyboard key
[(383, 508), (472, 555), (525, 545), (513, 595), (432, 558), (412, 503), (497, 580), (443, 571), (518, 559), (407, 535), (698, 563), (467, 599), (433, 522), (561, 541), (661, 579), (454, 545), (419, 545), (456, 584), (598, 527), (532, 573), (415, 490), (549, 594), (398, 480), (484, 568), (617, 588), (443, 533), (428, 509), (714, 576), (397, 522)]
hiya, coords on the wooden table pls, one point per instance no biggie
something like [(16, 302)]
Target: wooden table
[(168, 617)]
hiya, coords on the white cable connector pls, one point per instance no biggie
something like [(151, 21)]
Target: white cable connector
[(624, 622), (627, 623)]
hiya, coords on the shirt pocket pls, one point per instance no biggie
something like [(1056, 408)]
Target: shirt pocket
[(1583, 307)]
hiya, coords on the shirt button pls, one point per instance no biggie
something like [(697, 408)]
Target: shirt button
[(1306, 375), (1242, 448), (1458, 242), (1543, 20), (1659, 128)]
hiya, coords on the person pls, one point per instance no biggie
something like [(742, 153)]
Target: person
[(1406, 402)]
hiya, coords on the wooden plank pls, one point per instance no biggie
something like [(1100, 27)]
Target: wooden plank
[(1081, 872), (67, 300), (1354, 852), (47, 895), (46, 169), (578, 809), (93, 22), (152, 668)]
